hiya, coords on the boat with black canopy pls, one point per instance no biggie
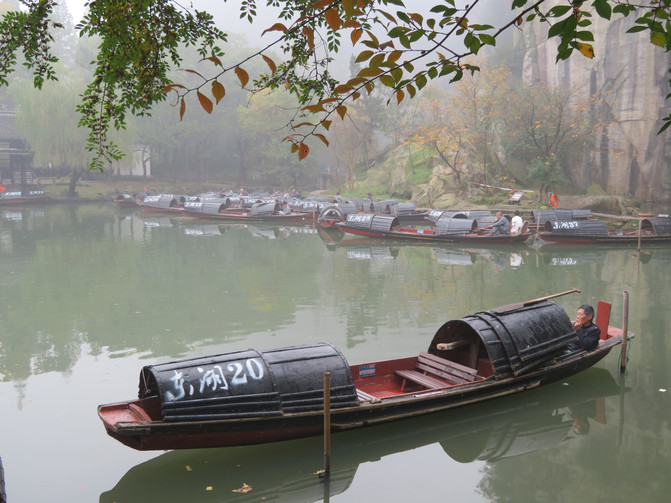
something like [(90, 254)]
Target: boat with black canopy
[(268, 212), (250, 397), (447, 229), (651, 230)]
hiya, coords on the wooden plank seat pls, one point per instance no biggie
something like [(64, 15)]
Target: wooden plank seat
[(443, 372), (365, 397)]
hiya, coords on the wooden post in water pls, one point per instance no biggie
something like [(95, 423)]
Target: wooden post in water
[(625, 330), (327, 424), (640, 224)]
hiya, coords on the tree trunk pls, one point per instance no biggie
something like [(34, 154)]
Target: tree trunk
[(74, 177)]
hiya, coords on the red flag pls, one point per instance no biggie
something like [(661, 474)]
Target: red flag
[(2, 189)]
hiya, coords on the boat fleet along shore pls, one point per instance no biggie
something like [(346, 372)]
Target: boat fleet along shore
[(391, 219)]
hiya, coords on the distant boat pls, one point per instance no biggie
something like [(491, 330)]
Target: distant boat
[(652, 230), (446, 230), (258, 212), (126, 201), (164, 203), (32, 197), (250, 397)]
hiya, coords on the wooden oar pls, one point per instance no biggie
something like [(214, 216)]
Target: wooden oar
[(519, 305)]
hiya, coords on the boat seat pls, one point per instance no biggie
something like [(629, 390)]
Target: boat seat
[(444, 372), (365, 397)]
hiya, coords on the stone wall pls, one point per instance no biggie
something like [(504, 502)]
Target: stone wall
[(629, 157)]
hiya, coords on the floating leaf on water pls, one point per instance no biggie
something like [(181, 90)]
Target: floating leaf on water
[(244, 489), (188, 468), (662, 390)]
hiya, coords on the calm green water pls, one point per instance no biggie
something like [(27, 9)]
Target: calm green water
[(91, 294)]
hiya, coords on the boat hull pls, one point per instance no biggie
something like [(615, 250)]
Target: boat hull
[(428, 236), (233, 216)]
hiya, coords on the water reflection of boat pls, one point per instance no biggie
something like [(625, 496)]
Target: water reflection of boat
[(285, 471), (372, 253), (158, 222), (203, 230), (563, 255)]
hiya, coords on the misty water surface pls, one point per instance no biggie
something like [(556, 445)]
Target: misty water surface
[(91, 294)]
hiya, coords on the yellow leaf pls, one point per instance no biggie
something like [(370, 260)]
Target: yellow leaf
[(171, 87), (342, 88), (276, 27), (586, 50), (214, 60), (333, 19), (218, 91), (294, 147), (356, 35), (322, 138), (657, 39), (271, 64), (182, 108), (400, 95), (188, 468), (303, 151), (205, 102), (314, 108), (242, 75), (326, 124), (193, 71), (310, 35), (348, 5), (342, 111)]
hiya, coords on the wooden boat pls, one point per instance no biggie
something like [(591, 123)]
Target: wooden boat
[(249, 397), (258, 212), (331, 214), (284, 471), (15, 198), (126, 201), (652, 230), (163, 203), (447, 230)]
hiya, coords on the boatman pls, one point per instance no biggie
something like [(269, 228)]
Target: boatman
[(501, 226), (516, 223), (588, 333)]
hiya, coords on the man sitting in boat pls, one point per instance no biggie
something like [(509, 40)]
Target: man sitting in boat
[(501, 226), (588, 333), (516, 223)]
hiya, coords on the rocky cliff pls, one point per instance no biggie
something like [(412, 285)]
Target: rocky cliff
[(629, 157)]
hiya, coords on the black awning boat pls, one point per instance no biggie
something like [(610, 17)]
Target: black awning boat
[(250, 397), (448, 229), (652, 230)]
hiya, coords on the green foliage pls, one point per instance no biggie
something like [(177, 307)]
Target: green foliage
[(595, 190), (399, 49)]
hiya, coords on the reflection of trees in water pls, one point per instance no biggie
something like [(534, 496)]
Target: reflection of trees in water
[(81, 284)]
